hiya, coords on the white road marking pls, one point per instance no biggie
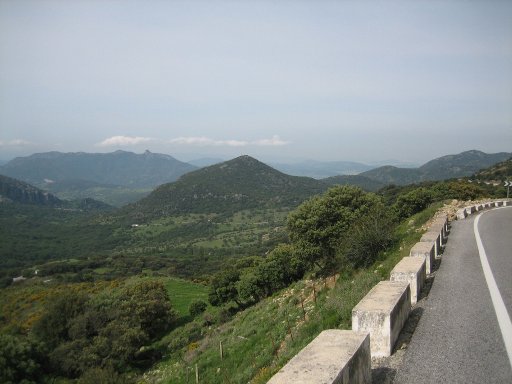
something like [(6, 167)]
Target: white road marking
[(497, 300)]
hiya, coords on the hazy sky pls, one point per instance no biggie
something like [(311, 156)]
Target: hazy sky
[(329, 80)]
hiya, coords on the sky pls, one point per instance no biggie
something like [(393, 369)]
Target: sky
[(278, 80)]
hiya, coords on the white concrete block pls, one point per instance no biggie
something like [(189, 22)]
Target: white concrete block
[(413, 271), (424, 249), (433, 236), (383, 312), (334, 356)]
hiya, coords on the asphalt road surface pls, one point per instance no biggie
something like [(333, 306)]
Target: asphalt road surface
[(459, 338)]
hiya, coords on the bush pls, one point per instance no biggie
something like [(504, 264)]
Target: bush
[(413, 202), (280, 268), (106, 330), (223, 287), (101, 375), (197, 307), (21, 360), (367, 238), (317, 225)]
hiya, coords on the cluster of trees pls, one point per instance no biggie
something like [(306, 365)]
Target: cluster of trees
[(343, 228), (278, 270), (412, 199), (108, 332)]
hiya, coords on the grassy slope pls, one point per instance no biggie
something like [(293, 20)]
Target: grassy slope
[(260, 340)]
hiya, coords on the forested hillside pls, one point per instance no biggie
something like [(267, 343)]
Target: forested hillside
[(241, 183), (20, 192)]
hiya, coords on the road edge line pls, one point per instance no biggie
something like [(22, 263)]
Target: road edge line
[(497, 301)]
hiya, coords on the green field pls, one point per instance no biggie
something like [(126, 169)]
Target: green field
[(183, 292)]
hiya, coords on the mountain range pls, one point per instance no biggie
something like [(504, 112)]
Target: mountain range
[(123, 177), (119, 168), (115, 178), (446, 167)]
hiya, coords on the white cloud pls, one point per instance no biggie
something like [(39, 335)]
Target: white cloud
[(118, 141), (14, 143), (275, 141), (206, 141)]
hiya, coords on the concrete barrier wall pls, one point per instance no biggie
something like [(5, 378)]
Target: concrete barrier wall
[(466, 211), (334, 356)]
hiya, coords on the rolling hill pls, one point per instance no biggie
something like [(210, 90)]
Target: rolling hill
[(460, 165), (241, 183), (446, 167), (498, 172)]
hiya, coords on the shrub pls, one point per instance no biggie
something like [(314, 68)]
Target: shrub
[(197, 307), (413, 202), (371, 235), (21, 360), (317, 225)]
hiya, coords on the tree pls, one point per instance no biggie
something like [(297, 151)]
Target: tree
[(317, 226), (251, 288), (223, 287), (147, 305), (408, 204), (21, 360), (105, 330), (369, 236), (54, 325), (280, 268)]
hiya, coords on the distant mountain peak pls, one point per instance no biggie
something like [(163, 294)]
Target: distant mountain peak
[(240, 183)]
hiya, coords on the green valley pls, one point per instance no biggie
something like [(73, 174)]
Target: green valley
[(236, 253)]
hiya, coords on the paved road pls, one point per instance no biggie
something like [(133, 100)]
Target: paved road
[(458, 338)]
